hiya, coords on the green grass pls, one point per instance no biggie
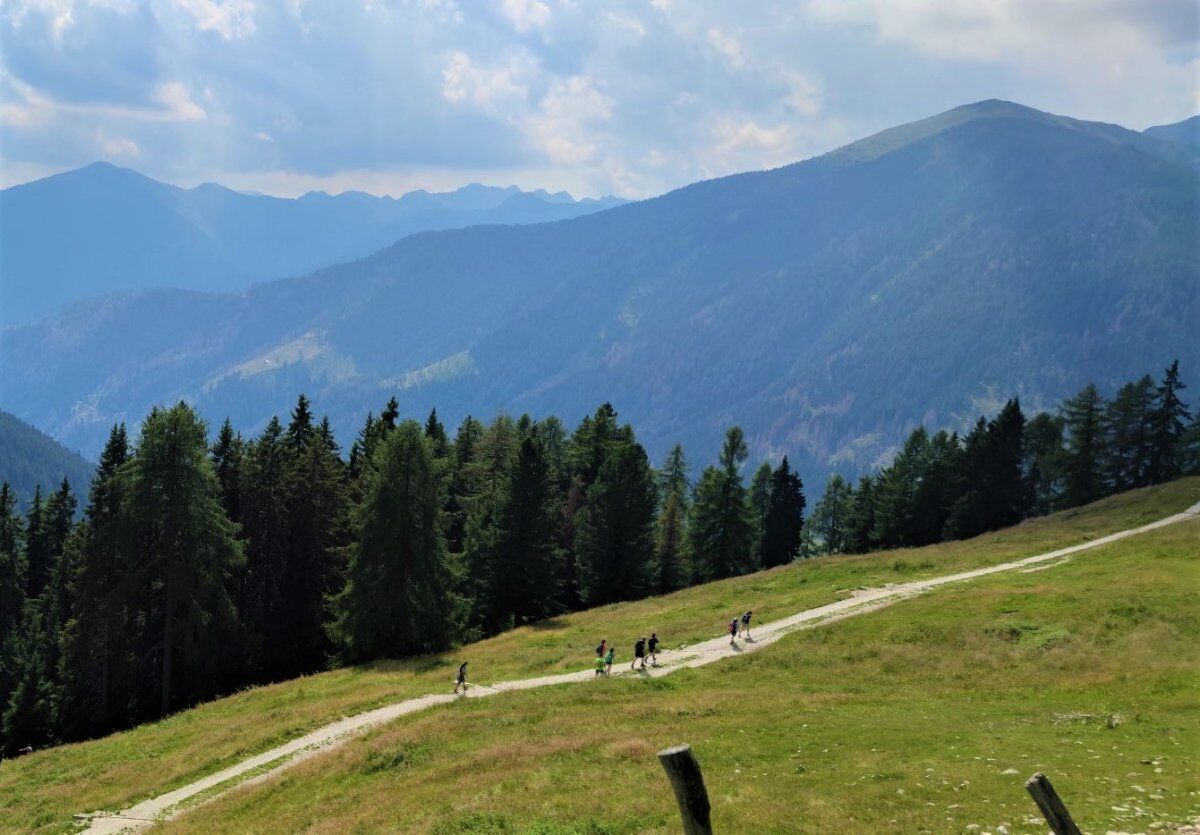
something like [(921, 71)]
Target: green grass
[(43, 790)]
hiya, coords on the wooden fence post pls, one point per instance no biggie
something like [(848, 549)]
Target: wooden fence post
[(688, 783), (1051, 805)]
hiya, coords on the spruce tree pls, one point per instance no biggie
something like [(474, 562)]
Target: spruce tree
[(1167, 420), (861, 520), (1043, 446), (12, 592), (1127, 429), (784, 521), (614, 533), (95, 670), (831, 517), (760, 500), (181, 546), (28, 717), (669, 549), (672, 478), (39, 548), (1083, 479), (228, 457), (460, 490), (524, 573), (721, 530), (396, 599)]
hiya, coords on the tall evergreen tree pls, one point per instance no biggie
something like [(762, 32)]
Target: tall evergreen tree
[(396, 598), (670, 541), (182, 545), (614, 535), (760, 499), (672, 478), (1083, 479), (28, 716), (95, 668), (460, 489), (1167, 421), (39, 546), (524, 572), (1044, 462), (228, 457), (436, 433), (1126, 424), (831, 517), (861, 520), (721, 530), (784, 521), (12, 593)]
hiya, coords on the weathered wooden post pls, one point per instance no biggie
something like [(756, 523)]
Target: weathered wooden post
[(1051, 805), (687, 781)]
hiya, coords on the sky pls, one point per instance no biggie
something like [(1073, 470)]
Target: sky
[(632, 97)]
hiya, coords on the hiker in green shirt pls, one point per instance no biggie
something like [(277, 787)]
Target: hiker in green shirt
[(609, 657)]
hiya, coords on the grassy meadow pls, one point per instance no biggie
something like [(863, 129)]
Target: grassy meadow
[(905, 718)]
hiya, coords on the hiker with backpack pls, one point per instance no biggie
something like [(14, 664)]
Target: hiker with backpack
[(609, 658), (639, 653), (461, 680), (652, 645), (746, 624), (733, 632)]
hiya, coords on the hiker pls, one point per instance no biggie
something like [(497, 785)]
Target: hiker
[(639, 652), (602, 647), (461, 681), (652, 645), (599, 665), (609, 658), (733, 630), (746, 624)]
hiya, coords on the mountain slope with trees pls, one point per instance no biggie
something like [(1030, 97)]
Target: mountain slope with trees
[(102, 229), (918, 276), (29, 458)]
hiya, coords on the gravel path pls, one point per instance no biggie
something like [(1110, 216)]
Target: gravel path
[(270, 763)]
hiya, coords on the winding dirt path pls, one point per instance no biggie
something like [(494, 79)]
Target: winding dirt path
[(270, 763)]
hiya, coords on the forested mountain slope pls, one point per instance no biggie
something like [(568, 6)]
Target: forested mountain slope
[(922, 274), (102, 228), (29, 458)]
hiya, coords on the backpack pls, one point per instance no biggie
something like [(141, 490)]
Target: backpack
[(733, 626)]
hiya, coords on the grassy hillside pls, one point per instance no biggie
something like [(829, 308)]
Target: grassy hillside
[(43, 790)]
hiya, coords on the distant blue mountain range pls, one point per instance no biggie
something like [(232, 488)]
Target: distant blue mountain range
[(101, 228), (923, 274)]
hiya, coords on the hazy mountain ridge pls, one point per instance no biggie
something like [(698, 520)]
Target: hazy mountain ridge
[(101, 228), (827, 306)]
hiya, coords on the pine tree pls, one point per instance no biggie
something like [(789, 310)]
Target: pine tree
[(459, 491), (396, 598), (300, 429), (265, 526), (1126, 423), (831, 517), (895, 490), (436, 433), (760, 500), (182, 547), (12, 592), (228, 457), (862, 517), (671, 533), (523, 575), (614, 534), (27, 718), (672, 478), (1083, 480), (39, 549), (1044, 453), (95, 670), (1167, 420), (784, 523), (721, 530)]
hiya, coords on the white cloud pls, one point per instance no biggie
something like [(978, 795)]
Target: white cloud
[(494, 90), (117, 146), (734, 135), (228, 18), (564, 123), (727, 46), (526, 14), (177, 102), (263, 136)]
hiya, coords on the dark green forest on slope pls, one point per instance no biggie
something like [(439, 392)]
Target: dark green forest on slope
[(203, 564), (29, 458)]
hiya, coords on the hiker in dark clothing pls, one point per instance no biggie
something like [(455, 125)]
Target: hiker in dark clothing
[(639, 653), (652, 645), (733, 630), (746, 624), (461, 681), (602, 647)]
